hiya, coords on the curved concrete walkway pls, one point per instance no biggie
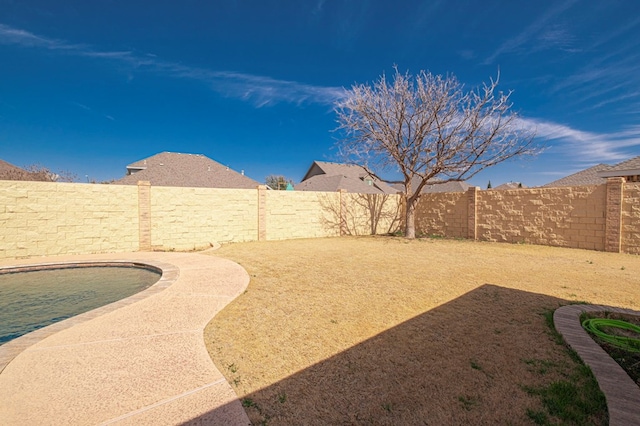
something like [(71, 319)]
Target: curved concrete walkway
[(622, 394), (138, 361)]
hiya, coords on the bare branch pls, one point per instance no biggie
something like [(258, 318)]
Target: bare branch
[(429, 128)]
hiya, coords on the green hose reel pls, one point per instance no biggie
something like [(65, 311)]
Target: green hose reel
[(595, 325)]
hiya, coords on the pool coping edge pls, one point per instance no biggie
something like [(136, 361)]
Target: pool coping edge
[(13, 348)]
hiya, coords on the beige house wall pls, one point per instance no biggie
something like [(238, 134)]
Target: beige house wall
[(45, 218), (631, 218), (443, 214), (566, 217)]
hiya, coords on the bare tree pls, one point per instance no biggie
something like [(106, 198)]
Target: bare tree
[(429, 129), (277, 182), (36, 172)]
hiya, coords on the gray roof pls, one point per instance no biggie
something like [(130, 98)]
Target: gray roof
[(325, 176), (510, 185), (7, 169), (10, 172), (326, 183), (435, 186), (588, 176), (185, 170), (630, 167), (455, 186)]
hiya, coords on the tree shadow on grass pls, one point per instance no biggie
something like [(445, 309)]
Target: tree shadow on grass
[(464, 362)]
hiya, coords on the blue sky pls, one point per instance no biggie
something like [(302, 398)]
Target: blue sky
[(91, 86)]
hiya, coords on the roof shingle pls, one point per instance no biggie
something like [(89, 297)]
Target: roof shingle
[(325, 176), (585, 177), (185, 170)]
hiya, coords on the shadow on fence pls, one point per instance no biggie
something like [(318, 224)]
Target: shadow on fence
[(361, 214)]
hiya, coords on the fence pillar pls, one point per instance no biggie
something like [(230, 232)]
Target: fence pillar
[(144, 215), (343, 211), (472, 213), (613, 224), (262, 212)]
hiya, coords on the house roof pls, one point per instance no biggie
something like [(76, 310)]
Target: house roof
[(455, 186), (10, 172), (325, 176), (510, 185), (8, 168), (598, 174), (588, 176), (630, 167), (327, 183), (435, 186), (185, 170)]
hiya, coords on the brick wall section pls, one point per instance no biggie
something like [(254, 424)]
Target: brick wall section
[(443, 214), (298, 214), (367, 214), (472, 213), (566, 217), (613, 226), (342, 213), (44, 218), (262, 213), (631, 218), (144, 215), (195, 218)]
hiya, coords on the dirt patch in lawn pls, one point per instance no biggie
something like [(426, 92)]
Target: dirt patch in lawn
[(381, 330)]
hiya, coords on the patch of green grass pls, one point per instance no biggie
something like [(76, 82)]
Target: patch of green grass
[(576, 398), (248, 402), (282, 398), (475, 365), (468, 402), (538, 417), (540, 366)]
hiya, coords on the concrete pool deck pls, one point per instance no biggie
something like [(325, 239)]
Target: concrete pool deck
[(141, 360)]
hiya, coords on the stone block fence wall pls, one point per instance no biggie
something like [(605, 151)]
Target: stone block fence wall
[(600, 217), (44, 218)]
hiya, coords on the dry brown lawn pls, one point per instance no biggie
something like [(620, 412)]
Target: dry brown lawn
[(381, 330)]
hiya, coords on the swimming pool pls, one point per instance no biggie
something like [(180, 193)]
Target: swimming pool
[(34, 297)]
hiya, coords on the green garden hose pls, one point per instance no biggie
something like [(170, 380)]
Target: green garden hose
[(630, 344)]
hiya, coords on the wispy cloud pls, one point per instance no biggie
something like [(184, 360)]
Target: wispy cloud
[(318, 7), (534, 30), (618, 31), (586, 147), (90, 110), (259, 90), (601, 82)]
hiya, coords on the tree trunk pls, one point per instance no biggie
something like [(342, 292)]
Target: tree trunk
[(410, 218)]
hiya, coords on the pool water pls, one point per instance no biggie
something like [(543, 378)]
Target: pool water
[(34, 299)]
